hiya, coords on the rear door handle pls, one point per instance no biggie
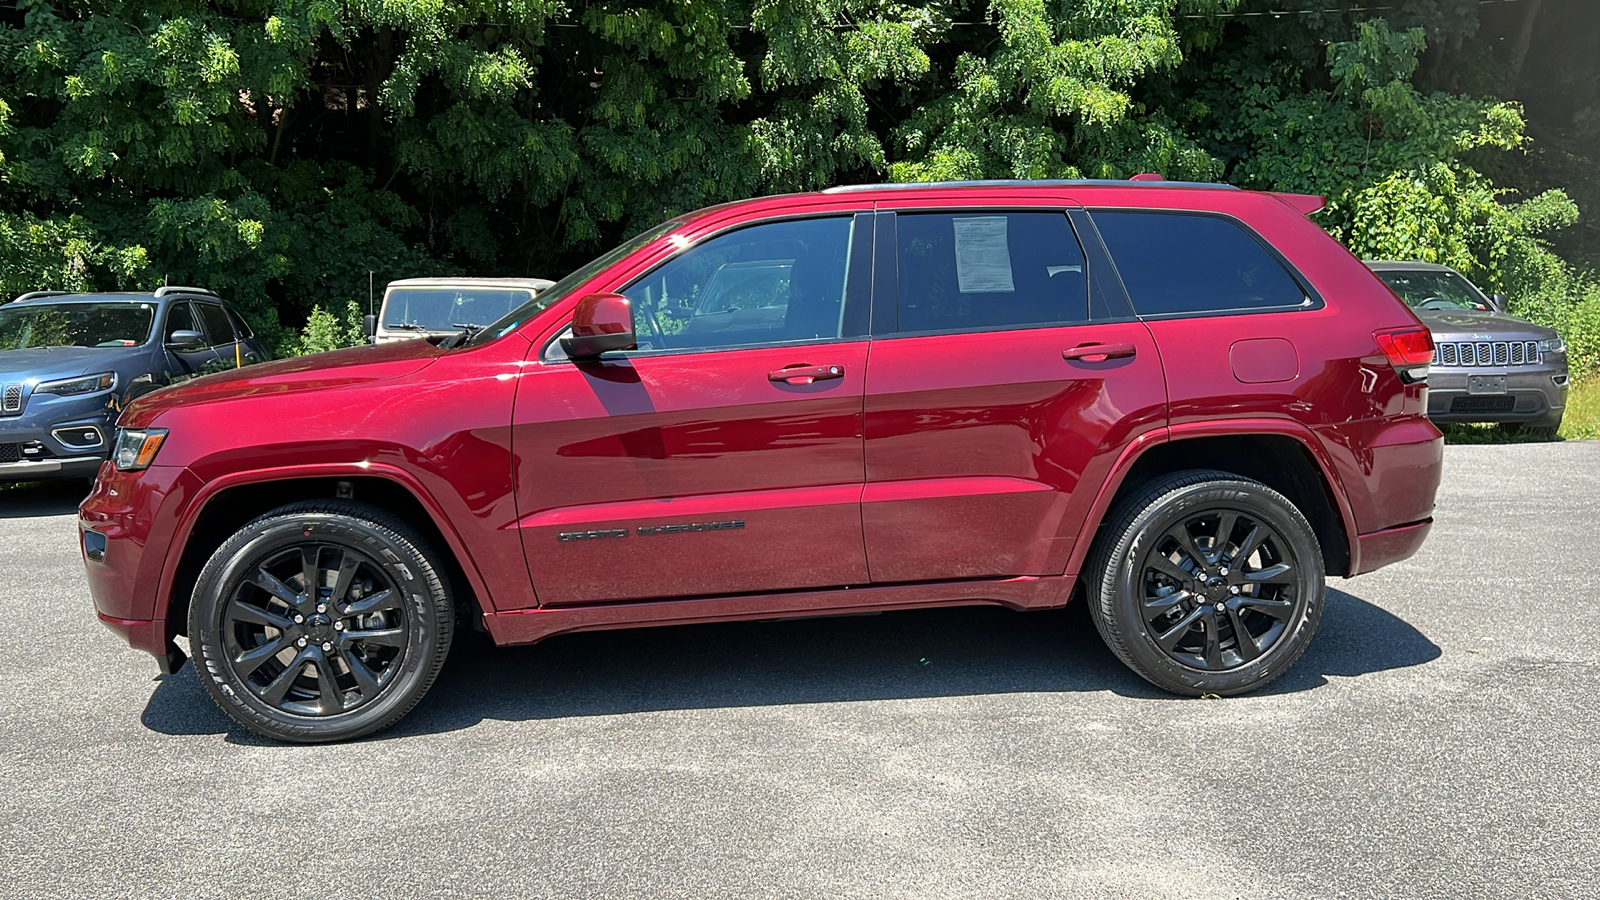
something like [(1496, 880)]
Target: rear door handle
[(804, 374), (1094, 353)]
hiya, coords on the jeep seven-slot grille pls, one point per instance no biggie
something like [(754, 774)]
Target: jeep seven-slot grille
[(1487, 353), (11, 400)]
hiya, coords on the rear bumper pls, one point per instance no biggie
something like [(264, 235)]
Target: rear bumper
[(1380, 548)]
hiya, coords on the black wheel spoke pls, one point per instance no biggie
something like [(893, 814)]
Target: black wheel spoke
[(1281, 573), (1160, 606), (347, 573), (1248, 546), (1186, 542), (1168, 640), (1213, 642), (1167, 567), (378, 602), (249, 661), (1224, 532), (276, 689), (328, 685), (270, 583), (1282, 610), (387, 637), (310, 573), (366, 680), (255, 615), (1248, 650)]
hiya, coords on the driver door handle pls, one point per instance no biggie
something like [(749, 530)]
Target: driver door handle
[(1097, 353), (805, 374)]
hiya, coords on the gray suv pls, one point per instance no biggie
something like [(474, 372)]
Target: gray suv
[(70, 362), (1487, 366)]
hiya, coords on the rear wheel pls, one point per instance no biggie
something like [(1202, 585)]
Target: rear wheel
[(1204, 582), (320, 621)]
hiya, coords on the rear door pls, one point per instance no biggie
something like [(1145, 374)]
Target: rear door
[(724, 455), (230, 353), (1006, 372)]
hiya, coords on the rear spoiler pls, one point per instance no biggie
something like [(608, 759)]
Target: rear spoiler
[(1305, 204)]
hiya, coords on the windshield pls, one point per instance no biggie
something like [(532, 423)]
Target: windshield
[(565, 286), (24, 325), (444, 309), (1434, 290)]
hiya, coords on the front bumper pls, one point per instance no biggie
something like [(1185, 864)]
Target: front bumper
[(1533, 394), (125, 527), (57, 437)]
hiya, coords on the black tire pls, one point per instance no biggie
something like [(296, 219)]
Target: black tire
[(1139, 603), (359, 661)]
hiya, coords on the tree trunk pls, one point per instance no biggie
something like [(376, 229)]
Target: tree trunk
[(1519, 52)]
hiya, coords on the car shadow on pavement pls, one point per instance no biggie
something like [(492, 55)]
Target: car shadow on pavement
[(42, 498), (903, 655)]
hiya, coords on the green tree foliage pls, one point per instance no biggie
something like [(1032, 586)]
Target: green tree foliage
[(324, 330), (279, 151)]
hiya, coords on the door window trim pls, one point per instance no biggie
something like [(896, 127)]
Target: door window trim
[(1313, 299)]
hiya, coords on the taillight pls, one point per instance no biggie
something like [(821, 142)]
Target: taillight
[(1409, 351)]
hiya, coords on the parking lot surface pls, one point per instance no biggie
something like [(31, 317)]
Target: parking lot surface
[(1438, 739)]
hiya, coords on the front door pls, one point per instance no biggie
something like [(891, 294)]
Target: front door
[(186, 364), (723, 456), (1004, 367)]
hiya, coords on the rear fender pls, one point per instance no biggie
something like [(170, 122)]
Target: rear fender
[(1217, 428)]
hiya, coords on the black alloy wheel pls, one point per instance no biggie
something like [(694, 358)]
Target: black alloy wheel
[(1203, 582), (320, 621), (316, 629), (1218, 589)]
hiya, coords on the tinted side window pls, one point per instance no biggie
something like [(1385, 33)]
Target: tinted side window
[(1188, 263), (962, 271), (240, 327), (217, 324), (180, 317), (769, 283)]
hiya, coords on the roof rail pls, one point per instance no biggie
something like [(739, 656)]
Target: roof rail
[(33, 294), (166, 289), (1026, 182)]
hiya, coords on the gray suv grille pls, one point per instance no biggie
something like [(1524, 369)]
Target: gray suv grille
[(11, 400), (1487, 353)]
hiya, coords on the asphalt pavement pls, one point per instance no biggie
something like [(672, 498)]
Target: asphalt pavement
[(1439, 739)]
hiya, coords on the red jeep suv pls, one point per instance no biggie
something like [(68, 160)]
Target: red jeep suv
[(1185, 402)]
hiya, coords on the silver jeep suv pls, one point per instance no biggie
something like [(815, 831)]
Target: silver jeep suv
[(1487, 366)]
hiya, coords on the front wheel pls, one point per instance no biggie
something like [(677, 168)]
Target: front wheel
[(320, 621), (1206, 583)]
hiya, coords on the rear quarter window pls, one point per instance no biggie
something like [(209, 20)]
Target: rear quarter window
[(1187, 263)]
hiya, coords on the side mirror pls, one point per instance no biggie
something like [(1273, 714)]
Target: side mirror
[(1498, 301), (369, 325), (186, 340), (601, 322)]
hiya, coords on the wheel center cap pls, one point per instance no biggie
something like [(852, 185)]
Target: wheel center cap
[(1216, 589), (320, 626)]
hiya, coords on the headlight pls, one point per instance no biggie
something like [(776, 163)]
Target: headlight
[(136, 448), (1553, 345), (87, 384)]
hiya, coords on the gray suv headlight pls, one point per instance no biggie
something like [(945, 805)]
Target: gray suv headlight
[(1553, 345), (85, 384)]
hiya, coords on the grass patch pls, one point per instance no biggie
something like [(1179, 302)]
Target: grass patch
[(1581, 422)]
